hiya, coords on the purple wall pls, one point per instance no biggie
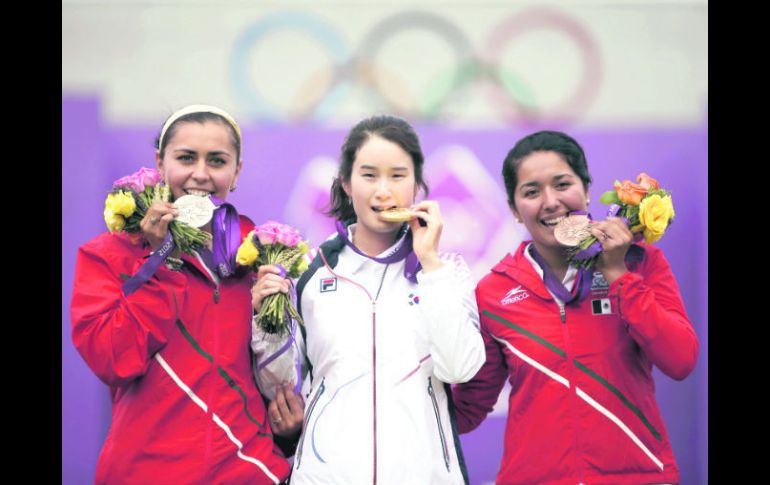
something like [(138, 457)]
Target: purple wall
[(93, 155)]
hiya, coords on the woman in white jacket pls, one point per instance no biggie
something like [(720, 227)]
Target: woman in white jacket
[(390, 322)]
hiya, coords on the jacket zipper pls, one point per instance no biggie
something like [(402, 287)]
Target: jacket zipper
[(374, 355), (444, 449), (572, 386), (212, 276), (374, 374), (310, 410)]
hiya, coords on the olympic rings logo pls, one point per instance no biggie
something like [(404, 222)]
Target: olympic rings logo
[(507, 92)]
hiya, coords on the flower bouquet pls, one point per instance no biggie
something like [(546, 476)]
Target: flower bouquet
[(131, 197), (280, 245), (647, 209)]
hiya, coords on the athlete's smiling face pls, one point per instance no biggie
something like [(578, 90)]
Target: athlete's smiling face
[(200, 159), (547, 190)]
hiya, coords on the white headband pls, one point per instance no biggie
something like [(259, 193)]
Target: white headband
[(198, 108)]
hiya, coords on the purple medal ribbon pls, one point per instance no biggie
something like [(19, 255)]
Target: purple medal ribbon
[(411, 265), (281, 270), (226, 234), (556, 287), (150, 266), (225, 239)]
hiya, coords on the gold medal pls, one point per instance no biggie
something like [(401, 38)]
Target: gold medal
[(572, 229), (194, 210), (396, 214)]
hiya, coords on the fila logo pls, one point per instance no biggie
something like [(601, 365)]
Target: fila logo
[(515, 295), (328, 284)]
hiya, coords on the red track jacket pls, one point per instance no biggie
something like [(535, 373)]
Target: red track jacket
[(175, 353), (582, 406)]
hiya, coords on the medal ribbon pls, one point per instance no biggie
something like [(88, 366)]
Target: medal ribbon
[(412, 263), (582, 285), (150, 266)]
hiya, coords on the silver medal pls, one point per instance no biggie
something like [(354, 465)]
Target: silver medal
[(194, 210)]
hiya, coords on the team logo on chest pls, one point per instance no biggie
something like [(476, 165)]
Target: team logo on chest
[(414, 299), (599, 284), (514, 295), (328, 284)]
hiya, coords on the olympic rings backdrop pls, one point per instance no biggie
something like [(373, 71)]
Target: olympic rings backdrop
[(507, 91), (623, 80)]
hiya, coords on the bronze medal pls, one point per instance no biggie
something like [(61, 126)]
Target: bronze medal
[(572, 230)]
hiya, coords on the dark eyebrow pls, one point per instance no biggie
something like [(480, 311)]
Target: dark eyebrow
[(372, 167), (561, 176), (219, 153)]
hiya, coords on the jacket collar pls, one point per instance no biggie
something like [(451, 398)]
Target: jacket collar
[(352, 261), (517, 267)]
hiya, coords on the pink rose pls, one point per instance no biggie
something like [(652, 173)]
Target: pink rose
[(136, 182), (288, 236), (148, 177), (129, 182), (267, 233), (272, 232)]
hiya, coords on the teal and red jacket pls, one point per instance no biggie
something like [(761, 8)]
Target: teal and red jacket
[(582, 405)]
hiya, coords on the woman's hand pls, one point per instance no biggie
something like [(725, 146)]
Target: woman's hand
[(425, 239), (269, 282), (286, 411), (615, 237), (155, 223)]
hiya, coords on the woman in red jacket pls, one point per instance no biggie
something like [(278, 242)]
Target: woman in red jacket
[(582, 405), (175, 351)]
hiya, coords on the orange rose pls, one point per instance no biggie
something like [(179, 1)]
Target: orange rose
[(647, 182), (629, 192)]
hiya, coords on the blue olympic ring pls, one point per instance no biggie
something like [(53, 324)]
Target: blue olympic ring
[(239, 62)]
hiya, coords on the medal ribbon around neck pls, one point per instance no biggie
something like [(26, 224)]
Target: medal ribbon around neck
[(412, 263), (556, 287), (226, 235)]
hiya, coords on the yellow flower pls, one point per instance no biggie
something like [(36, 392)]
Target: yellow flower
[(247, 252), (655, 212), (302, 265), (303, 247), (115, 222), (121, 203)]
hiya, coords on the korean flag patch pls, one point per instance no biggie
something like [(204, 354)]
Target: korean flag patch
[(601, 307)]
